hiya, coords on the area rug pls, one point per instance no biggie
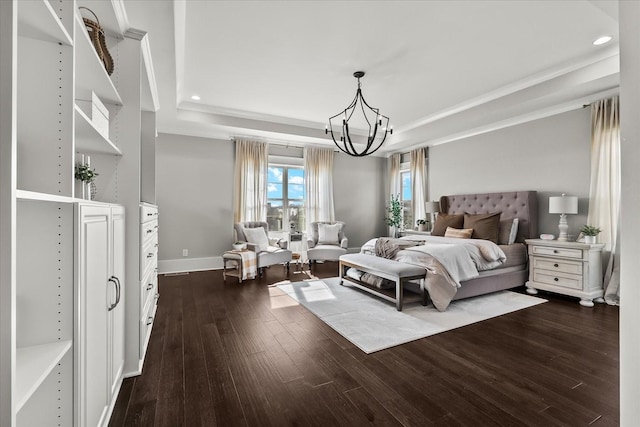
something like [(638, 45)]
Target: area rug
[(373, 324)]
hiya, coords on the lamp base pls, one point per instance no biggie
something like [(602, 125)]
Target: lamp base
[(563, 227)]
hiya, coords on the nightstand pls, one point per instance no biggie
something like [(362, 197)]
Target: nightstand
[(568, 268)]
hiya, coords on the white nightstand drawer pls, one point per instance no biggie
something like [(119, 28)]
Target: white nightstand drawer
[(557, 252), (560, 279), (571, 267)]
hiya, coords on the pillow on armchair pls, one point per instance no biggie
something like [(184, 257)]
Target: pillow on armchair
[(257, 236), (328, 234)]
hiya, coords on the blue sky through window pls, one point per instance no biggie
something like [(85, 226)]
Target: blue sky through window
[(406, 186)]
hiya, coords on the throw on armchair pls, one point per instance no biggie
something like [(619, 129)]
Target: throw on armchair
[(268, 251), (327, 241)]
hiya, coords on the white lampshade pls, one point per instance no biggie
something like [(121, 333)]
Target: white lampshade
[(563, 204), (432, 207)]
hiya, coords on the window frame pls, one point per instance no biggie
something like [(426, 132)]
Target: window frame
[(285, 200), (407, 220)]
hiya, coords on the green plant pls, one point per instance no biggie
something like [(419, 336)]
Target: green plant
[(84, 173), (394, 211), (590, 230), (421, 222)]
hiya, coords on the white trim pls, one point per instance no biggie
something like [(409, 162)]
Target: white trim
[(189, 264), (507, 90)]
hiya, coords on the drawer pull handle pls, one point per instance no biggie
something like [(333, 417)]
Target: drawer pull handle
[(149, 320), (556, 265), (149, 214), (150, 286), (150, 255), (556, 279), (149, 231)]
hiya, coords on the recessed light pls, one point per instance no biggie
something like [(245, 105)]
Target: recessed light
[(601, 40), (195, 97)]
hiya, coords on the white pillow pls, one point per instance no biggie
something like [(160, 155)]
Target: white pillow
[(514, 231), (257, 236), (328, 234)]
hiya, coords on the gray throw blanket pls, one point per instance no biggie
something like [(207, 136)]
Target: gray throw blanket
[(388, 247)]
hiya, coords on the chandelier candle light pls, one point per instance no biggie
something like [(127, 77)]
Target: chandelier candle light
[(378, 125), (563, 205)]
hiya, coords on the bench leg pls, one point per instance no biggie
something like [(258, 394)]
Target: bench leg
[(399, 294), (423, 291)]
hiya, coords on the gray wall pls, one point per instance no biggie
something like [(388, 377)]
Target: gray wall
[(194, 178), (195, 196), (358, 184), (550, 155)]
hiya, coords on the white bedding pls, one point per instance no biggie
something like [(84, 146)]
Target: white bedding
[(448, 262)]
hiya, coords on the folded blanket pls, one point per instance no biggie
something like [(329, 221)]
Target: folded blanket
[(387, 247)]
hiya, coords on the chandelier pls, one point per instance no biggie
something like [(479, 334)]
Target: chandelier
[(377, 123)]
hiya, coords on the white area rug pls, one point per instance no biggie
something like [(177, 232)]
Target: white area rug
[(373, 324)]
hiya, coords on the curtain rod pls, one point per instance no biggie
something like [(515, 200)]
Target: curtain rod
[(280, 143)]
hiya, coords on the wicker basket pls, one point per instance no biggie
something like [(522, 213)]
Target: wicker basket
[(96, 34)]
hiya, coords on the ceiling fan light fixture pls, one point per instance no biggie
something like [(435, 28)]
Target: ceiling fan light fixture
[(602, 40), (378, 125)]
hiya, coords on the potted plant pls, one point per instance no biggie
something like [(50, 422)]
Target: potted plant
[(239, 246), (394, 214), (590, 232), (86, 176), (422, 224)]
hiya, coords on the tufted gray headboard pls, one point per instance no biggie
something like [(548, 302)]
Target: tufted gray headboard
[(521, 204)]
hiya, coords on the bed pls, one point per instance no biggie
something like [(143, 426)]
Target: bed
[(512, 269)]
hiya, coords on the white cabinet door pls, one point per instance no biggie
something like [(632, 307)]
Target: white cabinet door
[(116, 314), (95, 293)]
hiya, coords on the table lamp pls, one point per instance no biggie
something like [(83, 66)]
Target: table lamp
[(563, 205), (432, 208)]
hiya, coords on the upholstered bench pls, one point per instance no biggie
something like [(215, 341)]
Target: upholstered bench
[(398, 272)]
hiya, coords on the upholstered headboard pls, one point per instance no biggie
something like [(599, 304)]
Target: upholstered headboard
[(520, 204)]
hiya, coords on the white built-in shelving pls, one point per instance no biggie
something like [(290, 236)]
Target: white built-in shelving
[(48, 67)]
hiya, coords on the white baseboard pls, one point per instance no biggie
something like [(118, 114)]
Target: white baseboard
[(182, 265)]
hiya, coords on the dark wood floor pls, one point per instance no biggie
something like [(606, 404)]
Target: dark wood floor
[(241, 354)]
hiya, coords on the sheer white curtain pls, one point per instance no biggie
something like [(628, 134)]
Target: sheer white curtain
[(394, 180), (318, 170), (418, 172), (250, 184), (604, 191)]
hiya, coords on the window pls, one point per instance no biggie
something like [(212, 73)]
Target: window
[(405, 198), (285, 198)]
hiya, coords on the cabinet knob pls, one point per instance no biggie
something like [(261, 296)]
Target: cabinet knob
[(555, 279), (555, 251), (556, 265), (150, 286)]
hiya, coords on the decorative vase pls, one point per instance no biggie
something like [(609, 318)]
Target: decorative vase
[(590, 240), (82, 190), (422, 227)]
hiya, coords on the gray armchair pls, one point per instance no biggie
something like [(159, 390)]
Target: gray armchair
[(325, 251), (277, 251)]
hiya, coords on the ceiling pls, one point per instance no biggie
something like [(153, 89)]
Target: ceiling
[(441, 70)]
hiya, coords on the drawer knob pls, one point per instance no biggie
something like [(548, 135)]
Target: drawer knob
[(555, 279), (556, 265), (555, 251)]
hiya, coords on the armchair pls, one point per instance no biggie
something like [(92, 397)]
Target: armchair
[(328, 244), (269, 251)]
